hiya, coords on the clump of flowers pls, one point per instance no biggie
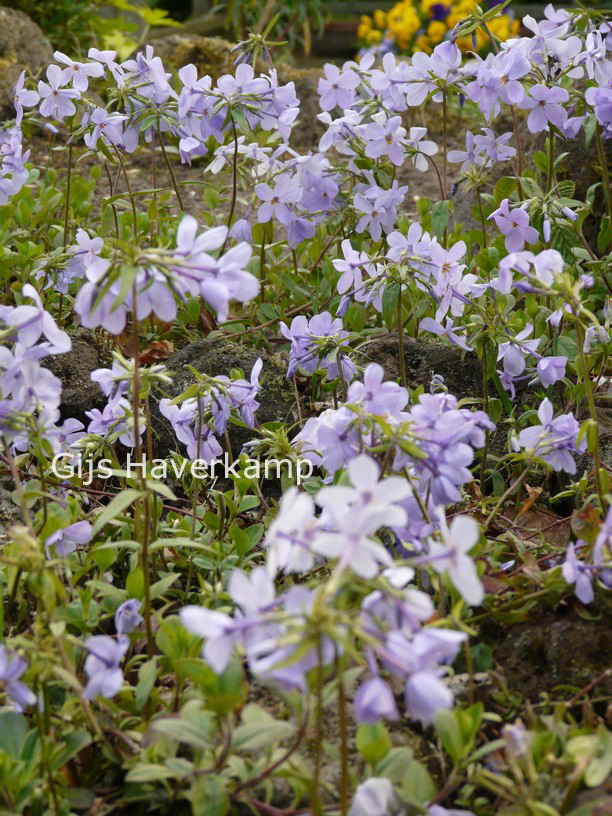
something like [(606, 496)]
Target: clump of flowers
[(411, 27)]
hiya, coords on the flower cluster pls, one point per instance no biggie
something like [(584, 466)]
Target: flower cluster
[(410, 27)]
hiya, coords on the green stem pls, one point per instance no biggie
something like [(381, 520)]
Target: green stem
[(485, 450), (344, 750), (68, 179), (316, 777), (551, 160), (131, 197), (482, 219), (144, 553), (588, 387), (400, 339), (170, 170), (230, 219), (444, 140), (605, 175)]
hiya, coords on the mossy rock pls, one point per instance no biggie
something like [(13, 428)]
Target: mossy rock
[(213, 56), (23, 46), (217, 357)]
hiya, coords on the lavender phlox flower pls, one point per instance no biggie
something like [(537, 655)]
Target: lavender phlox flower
[(354, 261), (514, 224), (494, 147), (576, 572), (430, 325), (470, 156), (115, 421), (369, 495), (69, 539), (56, 100), (103, 665), (375, 396), (78, 72), (513, 352), (103, 125), (11, 669), (383, 137), (23, 98), (554, 440), (419, 148), (597, 66), (450, 555), (128, 617), (551, 369), (378, 214), (30, 322), (318, 343), (337, 88), (374, 701), (289, 537), (593, 335), (545, 104), (374, 797), (107, 59)]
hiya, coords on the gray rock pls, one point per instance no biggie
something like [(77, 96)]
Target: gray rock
[(79, 393), (216, 357), (213, 56), (23, 46), (462, 373)]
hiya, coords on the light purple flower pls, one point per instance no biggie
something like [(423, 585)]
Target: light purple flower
[(337, 88), (551, 369), (56, 100), (103, 665), (128, 617), (546, 107), (514, 224), (374, 701), (23, 98), (451, 555), (554, 440), (374, 797), (66, 541), (11, 669), (575, 572)]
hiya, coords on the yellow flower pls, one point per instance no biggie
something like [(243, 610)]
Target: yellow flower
[(374, 37), (504, 27), (423, 44), (380, 19), (436, 31), (364, 28), (403, 20), (426, 7)]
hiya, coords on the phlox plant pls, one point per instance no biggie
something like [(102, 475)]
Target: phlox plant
[(186, 645)]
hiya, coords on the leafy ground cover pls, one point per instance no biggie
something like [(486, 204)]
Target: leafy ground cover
[(305, 474)]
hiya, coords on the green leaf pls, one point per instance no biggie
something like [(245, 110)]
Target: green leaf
[(373, 742), (449, 732), (209, 797), (389, 303), (159, 587), (148, 772), (13, 732), (183, 731), (117, 506), (71, 744), (440, 214), (147, 674), (260, 729), (418, 785)]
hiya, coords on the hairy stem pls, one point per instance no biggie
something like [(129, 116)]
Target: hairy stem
[(170, 170), (400, 338)]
